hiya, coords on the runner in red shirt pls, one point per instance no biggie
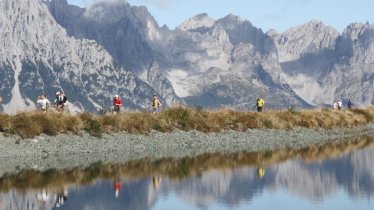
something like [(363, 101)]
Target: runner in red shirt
[(117, 103)]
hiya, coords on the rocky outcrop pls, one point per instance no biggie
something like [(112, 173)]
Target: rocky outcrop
[(306, 53), (202, 60), (37, 56), (126, 32), (323, 66), (229, 62)]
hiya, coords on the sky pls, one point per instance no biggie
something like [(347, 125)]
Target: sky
[(265, 14)]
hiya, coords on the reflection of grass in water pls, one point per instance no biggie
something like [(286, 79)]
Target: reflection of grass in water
[(29, 125), (93, 171), (173, 168), (181, 170)]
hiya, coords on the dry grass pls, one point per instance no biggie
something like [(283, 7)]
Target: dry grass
[(31, 124), (175, 168)]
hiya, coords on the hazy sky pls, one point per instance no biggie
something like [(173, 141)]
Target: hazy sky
[(265, 14)]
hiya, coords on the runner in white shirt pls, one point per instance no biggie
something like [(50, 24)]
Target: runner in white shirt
[(43, 103)]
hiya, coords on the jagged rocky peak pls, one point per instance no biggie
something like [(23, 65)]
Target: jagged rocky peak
[(357, 41), (231, 21), (62, 9), (357, 31), (196, 22), (111, 12), (242, 31), (39, 57), (219, 34), (130, 34), (272, 33), (308, 38), (107, 11)]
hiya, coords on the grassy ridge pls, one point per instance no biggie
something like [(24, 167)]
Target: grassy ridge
[(174, 168), (31, 124)]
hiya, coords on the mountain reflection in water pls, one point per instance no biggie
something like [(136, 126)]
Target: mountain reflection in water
[(309, 177)]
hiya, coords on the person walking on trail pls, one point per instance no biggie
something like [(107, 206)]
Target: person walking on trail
[(43, 103), (117, 103), (61, 101), (349, 104), (156, 104), (260, 104), (340, 105)]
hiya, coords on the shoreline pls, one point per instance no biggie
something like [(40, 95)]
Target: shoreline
[(68, 151)]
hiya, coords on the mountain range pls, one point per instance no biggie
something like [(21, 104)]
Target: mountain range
[(113, 48)]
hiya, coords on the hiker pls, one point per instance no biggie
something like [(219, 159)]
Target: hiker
[(1, 99), (61, 101), (340, 104), (349, 104), (43, 103), (117, 103), (156, 104), (335, 105), (260, 103)]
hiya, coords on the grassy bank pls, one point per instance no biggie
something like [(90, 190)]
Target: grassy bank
[(174, 168), (31, 124)]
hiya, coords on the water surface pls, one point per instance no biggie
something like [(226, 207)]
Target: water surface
[(329, 177)]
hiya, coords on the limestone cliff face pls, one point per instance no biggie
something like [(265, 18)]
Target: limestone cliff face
[(228, 62), (37, 56), (203, 61), (306, 53), (353, 75), (322, 65), (126, 32)]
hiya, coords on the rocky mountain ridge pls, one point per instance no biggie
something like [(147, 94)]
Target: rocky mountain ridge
[(37, 56), (206, 62), (323, 66), (124, 31), (115, 47)]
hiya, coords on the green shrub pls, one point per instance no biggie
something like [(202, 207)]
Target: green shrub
[(93, 127)]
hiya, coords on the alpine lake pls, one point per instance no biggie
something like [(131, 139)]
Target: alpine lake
[(335, 176)]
